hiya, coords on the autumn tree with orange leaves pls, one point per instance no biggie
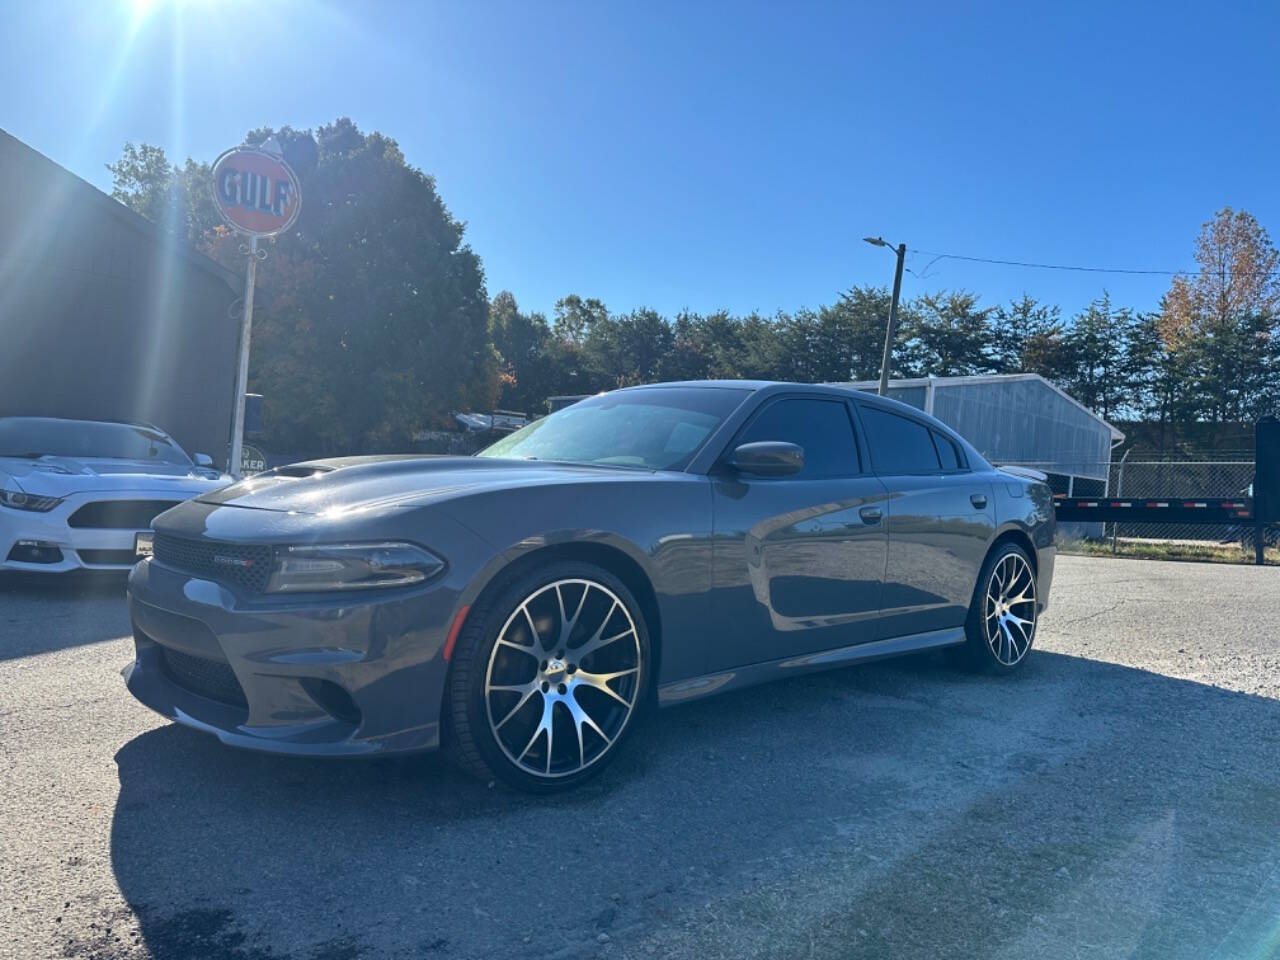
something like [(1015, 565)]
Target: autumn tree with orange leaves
[(1224, 322)]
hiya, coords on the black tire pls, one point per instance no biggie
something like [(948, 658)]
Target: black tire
[(979, 651), (471, 741)]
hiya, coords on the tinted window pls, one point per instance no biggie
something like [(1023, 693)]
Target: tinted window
[(947, 452), (821, 427), (655, 428), (899, 445)]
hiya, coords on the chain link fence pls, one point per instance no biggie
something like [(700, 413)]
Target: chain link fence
[(1152, 479)]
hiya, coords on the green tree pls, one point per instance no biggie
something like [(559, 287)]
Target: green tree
[(1096, 365), (830, 344), (1026, 338), (690, 356), (868, 309), (722, 338), (627, 349), (528, 358), (374, 320), (575, 317), (765, 347), (944, 335), (176, 198), (1158, 378)]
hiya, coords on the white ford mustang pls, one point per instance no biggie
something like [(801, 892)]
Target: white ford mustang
[(75, 493)]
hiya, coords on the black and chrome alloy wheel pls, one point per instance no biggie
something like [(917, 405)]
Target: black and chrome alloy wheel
[(555, 680), (1009, 609)]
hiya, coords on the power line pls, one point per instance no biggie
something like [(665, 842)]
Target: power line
[(1061, 266)]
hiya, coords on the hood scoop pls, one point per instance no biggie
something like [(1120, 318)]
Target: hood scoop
[(260, 483), (297, 471)]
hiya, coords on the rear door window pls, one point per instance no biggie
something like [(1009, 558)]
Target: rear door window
[(899, 445), (948, 454), (821, 427)]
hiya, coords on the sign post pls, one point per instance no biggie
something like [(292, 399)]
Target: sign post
[(242, 368), (259, 196)]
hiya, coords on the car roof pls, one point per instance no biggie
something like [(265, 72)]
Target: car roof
[(782, 386), (766, 388)]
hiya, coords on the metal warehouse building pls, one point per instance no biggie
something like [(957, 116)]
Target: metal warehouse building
[(1019, 418), (103, 315)]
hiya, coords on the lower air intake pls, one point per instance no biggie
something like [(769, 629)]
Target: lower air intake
[(212, 679)]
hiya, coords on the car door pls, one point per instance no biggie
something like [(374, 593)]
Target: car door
[(939, 520), (798, 560)]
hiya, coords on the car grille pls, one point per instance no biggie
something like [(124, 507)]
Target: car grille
[(246, 565), (108, 556), (208, 678), (119, 514)]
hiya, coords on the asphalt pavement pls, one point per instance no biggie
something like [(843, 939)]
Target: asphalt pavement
[(1120, 797)]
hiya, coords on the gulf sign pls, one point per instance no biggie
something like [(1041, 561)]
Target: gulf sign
[(256, 192)]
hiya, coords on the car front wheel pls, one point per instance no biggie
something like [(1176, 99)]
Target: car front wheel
[(547, 678)]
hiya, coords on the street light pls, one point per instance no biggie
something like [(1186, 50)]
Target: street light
[(893, 311)]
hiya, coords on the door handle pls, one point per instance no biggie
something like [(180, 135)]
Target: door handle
[(870, 514), (979, 500)]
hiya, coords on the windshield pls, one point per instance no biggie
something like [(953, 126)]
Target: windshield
[(32, 437), (655, 428)]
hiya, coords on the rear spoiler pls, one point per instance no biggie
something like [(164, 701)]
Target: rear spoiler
[(1025, 473)]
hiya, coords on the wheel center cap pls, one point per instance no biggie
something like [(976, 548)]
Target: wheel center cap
[(555, 669)]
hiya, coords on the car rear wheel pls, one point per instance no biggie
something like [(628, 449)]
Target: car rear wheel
[(547, 678), (1004, 613)]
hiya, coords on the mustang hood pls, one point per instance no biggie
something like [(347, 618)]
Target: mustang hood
[(388, 483), (61, 476)]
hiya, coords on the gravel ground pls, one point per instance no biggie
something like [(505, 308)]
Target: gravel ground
[(1119, 798)]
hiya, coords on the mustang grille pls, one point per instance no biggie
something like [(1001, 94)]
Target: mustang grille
[(208, 678), (119, 514), (246, 565)]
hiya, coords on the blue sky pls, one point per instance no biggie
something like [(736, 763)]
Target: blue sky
[(708, 155)]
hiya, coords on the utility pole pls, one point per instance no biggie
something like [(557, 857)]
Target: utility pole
[(892, 329)]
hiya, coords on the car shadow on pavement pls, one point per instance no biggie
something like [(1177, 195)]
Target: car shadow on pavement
[(41, 614), (894, 809)]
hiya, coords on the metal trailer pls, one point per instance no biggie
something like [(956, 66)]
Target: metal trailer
[(1255, 513)]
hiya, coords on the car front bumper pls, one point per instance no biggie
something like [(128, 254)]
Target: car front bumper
[(81, 548), (314, 676)]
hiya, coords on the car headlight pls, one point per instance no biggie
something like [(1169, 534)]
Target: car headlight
[(27, 501), (351, 566)]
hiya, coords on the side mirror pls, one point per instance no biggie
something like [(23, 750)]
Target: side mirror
[(768, 458), (203, 460)]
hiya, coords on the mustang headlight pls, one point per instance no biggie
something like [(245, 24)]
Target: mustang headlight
[(27, 501), (351, 566)]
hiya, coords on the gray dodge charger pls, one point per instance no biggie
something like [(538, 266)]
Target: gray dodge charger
[(518, 608)]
